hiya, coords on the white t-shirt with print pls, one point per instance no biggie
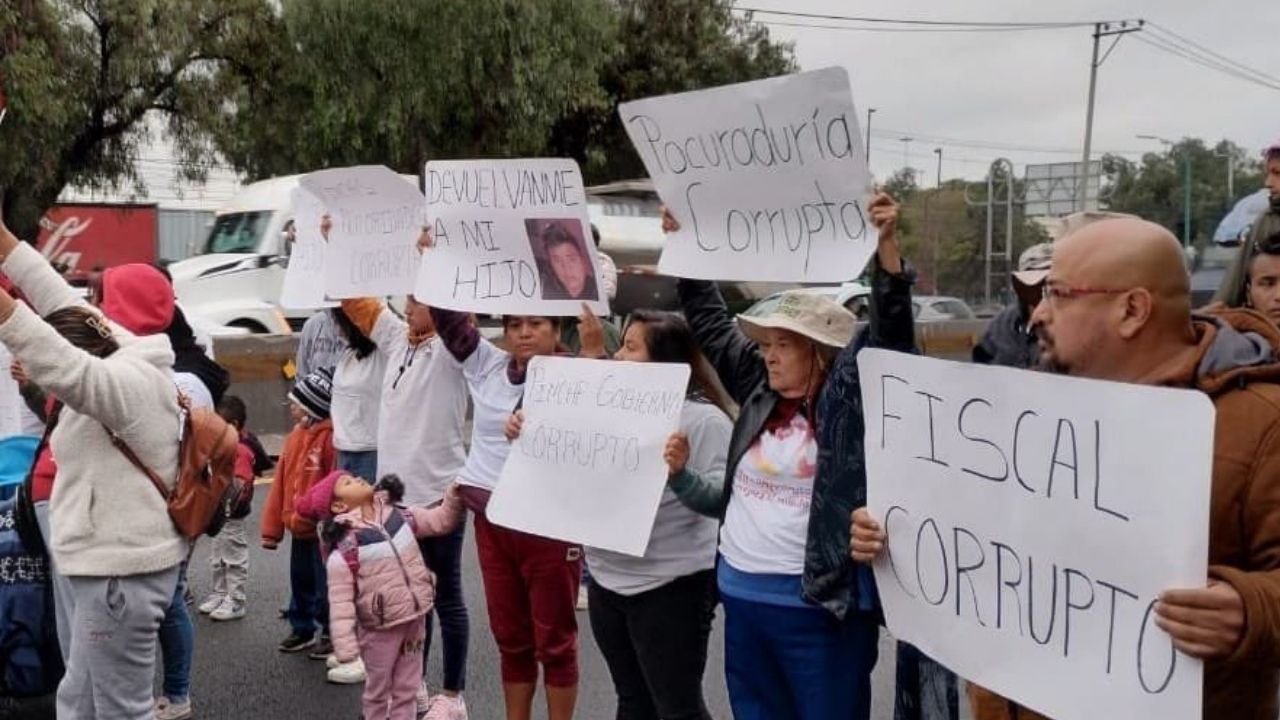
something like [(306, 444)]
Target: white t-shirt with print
[(767, 521)]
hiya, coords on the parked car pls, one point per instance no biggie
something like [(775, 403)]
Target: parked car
[(855, 297), (935, 308)]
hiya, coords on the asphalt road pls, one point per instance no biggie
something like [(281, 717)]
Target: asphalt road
[(239, 673)]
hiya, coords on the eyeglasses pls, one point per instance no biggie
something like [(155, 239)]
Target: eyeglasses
[(1055, 293)]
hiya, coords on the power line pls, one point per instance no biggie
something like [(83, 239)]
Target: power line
[(910, 21), (1160, 29), (880, 29), (1191, 56), (985, 145)]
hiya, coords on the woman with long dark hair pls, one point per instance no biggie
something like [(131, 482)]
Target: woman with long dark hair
[(530, 581), (651, 615)]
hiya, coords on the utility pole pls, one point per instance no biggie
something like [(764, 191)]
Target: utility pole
[(870, 111), (906, 153), (938, 152), (1100, 30)]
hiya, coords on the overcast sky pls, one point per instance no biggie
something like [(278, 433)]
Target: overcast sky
[(1029, 89)]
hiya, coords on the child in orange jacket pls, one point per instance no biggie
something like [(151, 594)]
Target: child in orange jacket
[(308, 456)]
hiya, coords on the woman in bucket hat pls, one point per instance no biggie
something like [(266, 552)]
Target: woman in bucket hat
[(801, 623)]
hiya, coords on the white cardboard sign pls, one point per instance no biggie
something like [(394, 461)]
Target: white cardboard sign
[(588, 465), (377, 216), (303, 287), (511, 236), (768, 178), (1033, 520)]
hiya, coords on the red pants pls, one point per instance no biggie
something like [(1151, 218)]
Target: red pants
[(531, 588)]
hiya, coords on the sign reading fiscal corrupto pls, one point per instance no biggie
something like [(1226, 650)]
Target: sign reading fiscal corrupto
[(1033, 520)]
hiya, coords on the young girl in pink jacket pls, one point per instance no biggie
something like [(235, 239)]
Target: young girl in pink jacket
[(380, 589)]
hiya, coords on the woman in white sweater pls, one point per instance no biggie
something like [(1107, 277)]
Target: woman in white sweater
[(111, 532)]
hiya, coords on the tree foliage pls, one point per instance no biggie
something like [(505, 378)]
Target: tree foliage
[(662, 47), (1155, 186), (285, 86), (946, 237), (85, 79), (398, 82)]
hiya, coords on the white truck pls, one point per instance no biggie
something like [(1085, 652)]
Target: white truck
[(236, 281)]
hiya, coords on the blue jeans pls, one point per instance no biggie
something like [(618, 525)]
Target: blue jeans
[(308, 582), (792, 663), (363, 464), (177, 642), (443, 556)]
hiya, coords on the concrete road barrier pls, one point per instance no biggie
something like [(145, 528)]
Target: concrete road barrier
[(262, 370)]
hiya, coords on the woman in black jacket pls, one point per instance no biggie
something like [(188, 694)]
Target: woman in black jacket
[(801, 624)]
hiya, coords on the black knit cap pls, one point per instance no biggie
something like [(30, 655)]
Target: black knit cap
[(314, 392)]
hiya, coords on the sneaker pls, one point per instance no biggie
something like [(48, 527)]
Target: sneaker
[(351, 673), (322, 650), (296, 643), (211, 603), (582, 597), (425, 699), (228, 610), (444, 707), (166, 710), (331, 662)]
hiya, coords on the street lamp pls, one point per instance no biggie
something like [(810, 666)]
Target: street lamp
[(870, 111), (1231, 174), (1186, 179)]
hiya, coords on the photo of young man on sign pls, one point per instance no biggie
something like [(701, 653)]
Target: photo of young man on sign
[(564, 263)]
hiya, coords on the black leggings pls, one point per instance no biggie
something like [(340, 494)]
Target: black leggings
[(655, 644), (444, 557)]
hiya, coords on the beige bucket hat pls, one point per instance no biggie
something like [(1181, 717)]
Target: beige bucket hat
[(815, 317)]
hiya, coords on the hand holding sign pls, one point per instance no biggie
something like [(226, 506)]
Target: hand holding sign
[(867, 538), (676, 454), (884, 215), (591, 335), (515, 424), (1203, 622)]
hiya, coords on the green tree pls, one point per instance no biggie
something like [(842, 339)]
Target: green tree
[(1155, 186), (661, 47), (84, 79), (398, 82), (945, 238)]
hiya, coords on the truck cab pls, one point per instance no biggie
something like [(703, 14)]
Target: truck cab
[(237, 277)]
